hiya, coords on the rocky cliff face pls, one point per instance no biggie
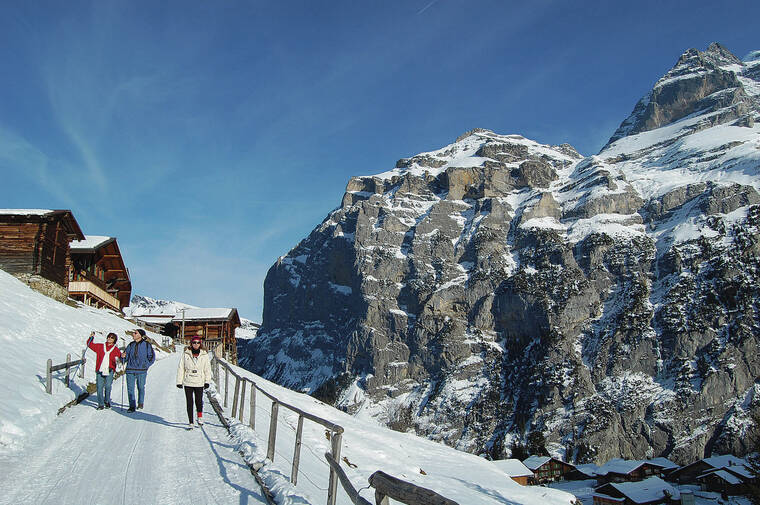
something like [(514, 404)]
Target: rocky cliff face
[(498, 288)]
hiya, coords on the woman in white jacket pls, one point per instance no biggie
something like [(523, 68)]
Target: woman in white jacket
[(194, 374)]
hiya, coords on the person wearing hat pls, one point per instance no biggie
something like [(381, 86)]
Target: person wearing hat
[(140, 355), (105, 366), (194, 375)]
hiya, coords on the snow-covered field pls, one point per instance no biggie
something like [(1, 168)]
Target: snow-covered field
[(90, 456)]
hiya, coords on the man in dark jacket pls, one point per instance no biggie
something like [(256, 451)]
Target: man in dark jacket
[(139, 355)]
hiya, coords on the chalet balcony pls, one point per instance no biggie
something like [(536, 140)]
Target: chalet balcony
[(87, 289)]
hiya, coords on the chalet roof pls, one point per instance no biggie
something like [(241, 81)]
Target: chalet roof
[(589, 469), (724, 460), (155, 319), (203, 314), (534, 462), (645, 491), (25, 212), (728, 477), (38, 215), (90, 243), (619, 465), (663, 463), (513, 467)]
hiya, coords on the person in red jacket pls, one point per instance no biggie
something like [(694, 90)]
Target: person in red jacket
[(105, 367)]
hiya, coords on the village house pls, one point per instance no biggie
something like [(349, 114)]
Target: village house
[(688, 474), (34, 247), (650, 491), (515, 469), (216, 325), (622, 470), (547, 469), (98, 276)]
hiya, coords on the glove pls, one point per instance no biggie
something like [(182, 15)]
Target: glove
[(179, 386), (205, 386)]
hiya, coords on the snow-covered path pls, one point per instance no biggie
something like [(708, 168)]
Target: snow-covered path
[(111, 457)]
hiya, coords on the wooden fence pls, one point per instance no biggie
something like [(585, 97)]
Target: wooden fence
[(385, 485), (68, 365)]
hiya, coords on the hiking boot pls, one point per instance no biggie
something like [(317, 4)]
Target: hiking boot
[(139, 406), (108, 405), (190, 426), (100, 407), (131, 409)]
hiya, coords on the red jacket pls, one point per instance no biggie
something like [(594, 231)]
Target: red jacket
[(100, 351)]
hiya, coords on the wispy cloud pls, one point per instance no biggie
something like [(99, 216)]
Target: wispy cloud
[(19, 156), (429, 5)]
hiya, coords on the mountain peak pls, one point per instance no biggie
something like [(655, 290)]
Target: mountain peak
[(704, 82)]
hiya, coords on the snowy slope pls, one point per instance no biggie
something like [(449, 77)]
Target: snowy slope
[(90, 456)]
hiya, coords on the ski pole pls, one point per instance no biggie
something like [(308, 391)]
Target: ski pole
[(123, 378)]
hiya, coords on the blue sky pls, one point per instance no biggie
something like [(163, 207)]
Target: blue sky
[(211, 137)]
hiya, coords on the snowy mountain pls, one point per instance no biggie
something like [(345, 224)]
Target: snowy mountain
[(498, 288)]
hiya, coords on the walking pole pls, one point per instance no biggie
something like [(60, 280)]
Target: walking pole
[(123, 377)]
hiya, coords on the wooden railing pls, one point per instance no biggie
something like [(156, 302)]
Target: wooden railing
[(68, 365), (386, 486), (85, 288)]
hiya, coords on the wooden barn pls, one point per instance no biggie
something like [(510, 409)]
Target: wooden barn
[(35, 242), (624, 470), (98, 276), (214, 325), (651, 491)]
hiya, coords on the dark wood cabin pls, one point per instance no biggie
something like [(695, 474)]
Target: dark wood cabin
[(215, 325), (98, 276), (36, 242), (547, 469), (620, 470)]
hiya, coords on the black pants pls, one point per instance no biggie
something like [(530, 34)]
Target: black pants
[(191, 391)]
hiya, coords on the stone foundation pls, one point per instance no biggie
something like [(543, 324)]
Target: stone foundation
[(45, 286)]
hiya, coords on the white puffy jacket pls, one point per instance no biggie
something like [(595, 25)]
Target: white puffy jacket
[(194, 371)]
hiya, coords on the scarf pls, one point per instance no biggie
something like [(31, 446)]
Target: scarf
[(105, 363)]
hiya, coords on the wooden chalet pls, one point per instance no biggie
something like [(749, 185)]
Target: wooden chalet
[(650, 491), (688, 474), (514, 469), (215, 325), (547, 469), (725, 481), (623, 470), (98, 276), (36, 242)]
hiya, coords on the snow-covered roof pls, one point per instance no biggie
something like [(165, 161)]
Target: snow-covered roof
[(89, 242), (534, 462), (589, 469), (724, 460), (202, 313), (723, 474), (25, 212), (513, 467), (647, 490), (663, 462), (155, 319), (619, 465)]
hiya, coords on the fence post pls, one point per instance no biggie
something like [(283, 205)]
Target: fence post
[(235, 398), (81, 368), (297, 452), (332, 489), (49, 381), (226, 383), (242, 400), (68, 359), (272, 430), (252, 420)]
